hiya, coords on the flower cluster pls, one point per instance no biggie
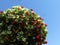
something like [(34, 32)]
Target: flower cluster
[(22, 25)]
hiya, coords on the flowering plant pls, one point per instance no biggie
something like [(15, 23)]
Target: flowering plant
[(22, 26)]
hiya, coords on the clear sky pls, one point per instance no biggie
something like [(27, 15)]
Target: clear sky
[(49, 10)]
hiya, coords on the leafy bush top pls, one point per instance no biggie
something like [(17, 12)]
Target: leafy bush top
[(21, 24)]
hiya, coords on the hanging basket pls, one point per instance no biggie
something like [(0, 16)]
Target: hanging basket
[(21, 26)]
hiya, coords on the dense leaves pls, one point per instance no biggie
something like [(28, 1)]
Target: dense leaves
[(22, 26)]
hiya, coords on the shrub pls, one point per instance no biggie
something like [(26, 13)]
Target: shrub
[(22, 26)]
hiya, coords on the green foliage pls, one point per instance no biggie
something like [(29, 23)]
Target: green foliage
[(22, 25)]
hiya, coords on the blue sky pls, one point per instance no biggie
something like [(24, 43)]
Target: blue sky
[(49, 10)]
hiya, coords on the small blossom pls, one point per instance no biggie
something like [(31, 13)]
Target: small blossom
[(38, 22), (41, 39), (14, 22), (38, 43), (32, 12), (45, 24), (38, 37), (22, 7), (1, 11), (45, 42), (31, 9), (41, 18)]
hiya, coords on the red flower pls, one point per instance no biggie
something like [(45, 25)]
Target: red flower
[(21, 24), (33, 22), (38, 44), (14, 22), (45, 42), (38, 37), (41, 39), (37, 26), (38, 22)]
